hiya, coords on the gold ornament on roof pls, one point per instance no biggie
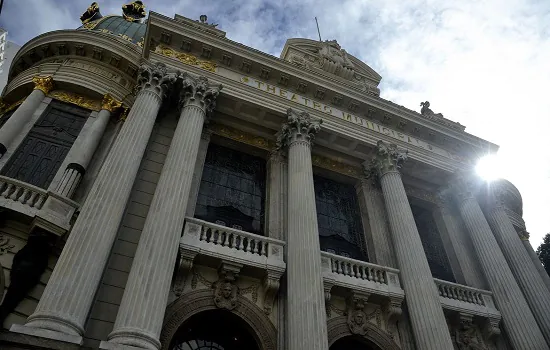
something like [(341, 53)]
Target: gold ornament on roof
[(110, 104), (44, 84), (134, 11), (92, 13)]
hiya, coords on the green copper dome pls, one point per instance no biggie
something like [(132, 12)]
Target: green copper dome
[(119, 26)]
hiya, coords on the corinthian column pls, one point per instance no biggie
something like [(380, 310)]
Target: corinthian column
[(524, 236), (426, 315), (525, 272), (23, 114), (149, 282), (66, 301), (518, 320), (81, 155), (307, 324)]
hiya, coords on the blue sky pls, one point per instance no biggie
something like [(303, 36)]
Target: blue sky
[(483, 63)]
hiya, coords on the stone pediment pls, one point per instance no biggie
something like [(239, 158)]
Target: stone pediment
[(329, 57)]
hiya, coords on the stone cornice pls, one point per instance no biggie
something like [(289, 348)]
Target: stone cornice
[(330, 124), (273, 62)]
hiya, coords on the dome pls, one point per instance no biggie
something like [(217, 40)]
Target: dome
[(119, 26), (510, 195)]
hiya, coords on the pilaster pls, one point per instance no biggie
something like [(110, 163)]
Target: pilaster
[(197, 174), (307, 325), (277, 166), (422, 296)]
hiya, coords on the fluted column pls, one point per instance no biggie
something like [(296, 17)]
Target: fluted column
[(521, 327), (23, 114), (525, 272), (307, 324), (149, 281), (374, 218), (524, 236), (425, 311), (276, 195), (66, 301), (83, 152)]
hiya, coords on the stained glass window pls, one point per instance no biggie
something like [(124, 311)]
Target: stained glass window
[(433, 246), (232, 190), (339, 219), (41, 153)]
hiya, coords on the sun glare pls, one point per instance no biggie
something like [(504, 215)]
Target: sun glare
[(489, 167)]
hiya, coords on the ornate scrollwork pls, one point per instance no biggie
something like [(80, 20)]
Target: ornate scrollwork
[(271, 287), (466, 335), (299, 127), (186, 58), (110, 104), (336, 166), (357, 318), (76, 99), (155, 78), (198, 90), (44, 84), (388, 158)]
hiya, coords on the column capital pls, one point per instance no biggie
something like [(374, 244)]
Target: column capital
[(109, 103), (524, 235), (155, 78), (44, 84), (198, 90), (300, 126), (388, 158)]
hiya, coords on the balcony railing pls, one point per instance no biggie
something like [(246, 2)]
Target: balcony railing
[(359, 275), (239, 246), (48, 209), (458, 297)]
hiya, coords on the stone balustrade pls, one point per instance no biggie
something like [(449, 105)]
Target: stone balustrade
[(360, 276), (47, 209), (466, 299)]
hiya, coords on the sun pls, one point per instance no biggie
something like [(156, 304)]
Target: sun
[(489, 167)]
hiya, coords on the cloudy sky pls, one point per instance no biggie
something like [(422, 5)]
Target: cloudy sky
[(485, 64)]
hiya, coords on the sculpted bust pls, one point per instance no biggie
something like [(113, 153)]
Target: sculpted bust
[(225, 294), (357, 322)]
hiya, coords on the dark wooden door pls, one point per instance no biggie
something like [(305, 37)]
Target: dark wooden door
[(41, 153)]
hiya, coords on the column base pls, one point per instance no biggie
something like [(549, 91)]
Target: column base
[(133, 338), (46, 333), (107, 345)]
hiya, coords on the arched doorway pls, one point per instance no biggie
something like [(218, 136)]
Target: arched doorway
[(353, 343), (214, 330)]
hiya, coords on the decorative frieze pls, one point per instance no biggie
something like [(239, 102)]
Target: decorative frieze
[(186, 58), (76, 99)]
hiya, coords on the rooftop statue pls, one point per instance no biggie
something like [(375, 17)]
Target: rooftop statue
[(335, 60), (134, 11), (92, 13), (426, 111)]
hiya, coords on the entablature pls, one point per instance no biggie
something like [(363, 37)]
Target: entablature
[(313, 85)]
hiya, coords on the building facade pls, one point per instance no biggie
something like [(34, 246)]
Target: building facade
[(164, 187)]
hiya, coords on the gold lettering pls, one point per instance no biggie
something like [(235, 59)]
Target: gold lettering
[(346, 116), (259, 84), (316, 105), (282, 93), (270, 89), (294, 98), (327, 110), (358, 120), (305, 100)]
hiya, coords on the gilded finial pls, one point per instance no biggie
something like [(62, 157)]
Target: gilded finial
[(134, 11), (92, 13), (44, 84), (110, 104)]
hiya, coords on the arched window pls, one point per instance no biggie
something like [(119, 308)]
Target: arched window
[(232, 190), (339, 220), (214, 330), (353, 343)]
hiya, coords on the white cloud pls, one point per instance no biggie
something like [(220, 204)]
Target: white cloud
[(484, 64)]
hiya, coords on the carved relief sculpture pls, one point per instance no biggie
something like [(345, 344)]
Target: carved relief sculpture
[(225, 288), (335, 60), (466, 336), (134, 11), (92, 13), (357, 318), (300, 127)]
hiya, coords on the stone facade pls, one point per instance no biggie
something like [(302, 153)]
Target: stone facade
[(149, 240)]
